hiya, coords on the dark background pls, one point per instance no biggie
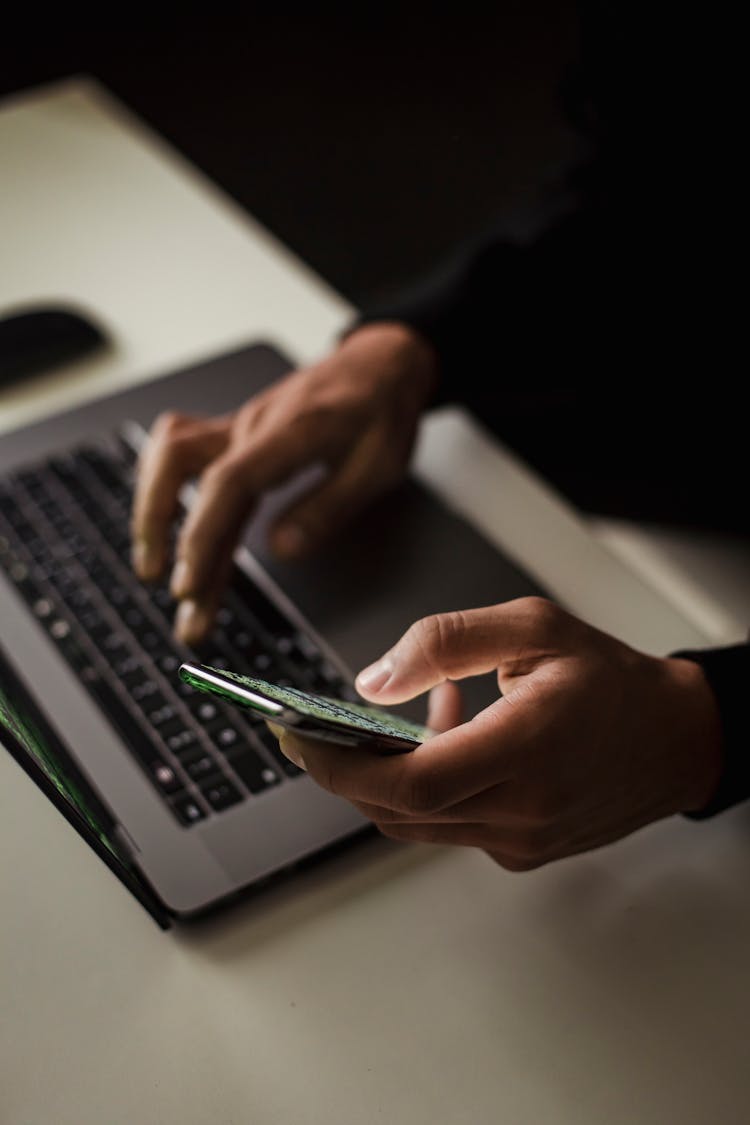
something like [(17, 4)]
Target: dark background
[(371, 144)]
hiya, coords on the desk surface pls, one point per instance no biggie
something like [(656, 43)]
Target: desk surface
[(403, 984)]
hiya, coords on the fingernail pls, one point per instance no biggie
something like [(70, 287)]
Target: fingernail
[(288, 746), (375, 677), (178, 583), (191, 621), (145, 560), (289, 540)]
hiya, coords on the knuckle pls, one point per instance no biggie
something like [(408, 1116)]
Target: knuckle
[(169, 424), (224, 473), (542, 609), (251, 414), (437, 636), (544, 615)]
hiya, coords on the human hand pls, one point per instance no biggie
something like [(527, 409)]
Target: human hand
[(589, 741), (356, 413)]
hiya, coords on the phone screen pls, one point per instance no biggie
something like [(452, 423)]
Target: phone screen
[(354, 716)]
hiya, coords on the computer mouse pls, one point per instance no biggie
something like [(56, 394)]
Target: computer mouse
[(38, 338)]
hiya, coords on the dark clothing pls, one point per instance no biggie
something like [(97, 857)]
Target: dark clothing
[(602, 349)]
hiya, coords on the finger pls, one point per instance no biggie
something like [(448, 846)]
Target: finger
[(227, 494), (445, 707), (514, 636), (195, 616), (446, 769), (365, 474), (495, 804), (178, 448)]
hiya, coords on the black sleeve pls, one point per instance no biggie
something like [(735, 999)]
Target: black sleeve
[(501, 311), (727, 671), (633, 284), (566, 347)]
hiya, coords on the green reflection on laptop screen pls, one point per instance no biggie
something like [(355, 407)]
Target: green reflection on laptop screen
[(27, 735)]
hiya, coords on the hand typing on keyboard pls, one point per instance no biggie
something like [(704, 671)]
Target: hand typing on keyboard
[(356, 412), (63, 541)]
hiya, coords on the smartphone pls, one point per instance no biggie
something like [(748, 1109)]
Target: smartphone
[(333, 720)]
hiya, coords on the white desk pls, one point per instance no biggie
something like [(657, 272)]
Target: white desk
[(406, 985)]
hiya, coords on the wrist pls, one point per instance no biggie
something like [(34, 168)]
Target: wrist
[(401, 350)]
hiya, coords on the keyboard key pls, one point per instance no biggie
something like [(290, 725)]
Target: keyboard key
[(187, 810), (256, 774), (78, 660), (163, 600), (165, 777), (150, 639), (159, 716), (225, 736), (90, 619), (130, 665), (181, 740), (134, 618), (59, 628), (205, 710), (201, 767), (134, 737), (263, 664), (242, 640), (169, 663), (146, 694), (221, 794), (113, 642)]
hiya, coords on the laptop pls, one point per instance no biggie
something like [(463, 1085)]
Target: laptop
[(186, 798)]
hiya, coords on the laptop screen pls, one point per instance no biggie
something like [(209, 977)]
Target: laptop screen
[(29, 737)]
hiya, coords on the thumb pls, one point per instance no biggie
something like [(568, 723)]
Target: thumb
[(513, 637)]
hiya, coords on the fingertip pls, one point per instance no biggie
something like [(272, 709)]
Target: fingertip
[(181, 579), (192, 621), (373, 679), (146, 560)]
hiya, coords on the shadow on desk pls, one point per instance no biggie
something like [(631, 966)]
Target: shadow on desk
[(633, 957), (319, 886), (617, 979)]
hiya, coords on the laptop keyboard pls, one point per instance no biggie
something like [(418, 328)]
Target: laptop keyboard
[(65, 544)]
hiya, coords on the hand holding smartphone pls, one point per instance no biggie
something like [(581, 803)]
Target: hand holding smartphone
[(314, 716)]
